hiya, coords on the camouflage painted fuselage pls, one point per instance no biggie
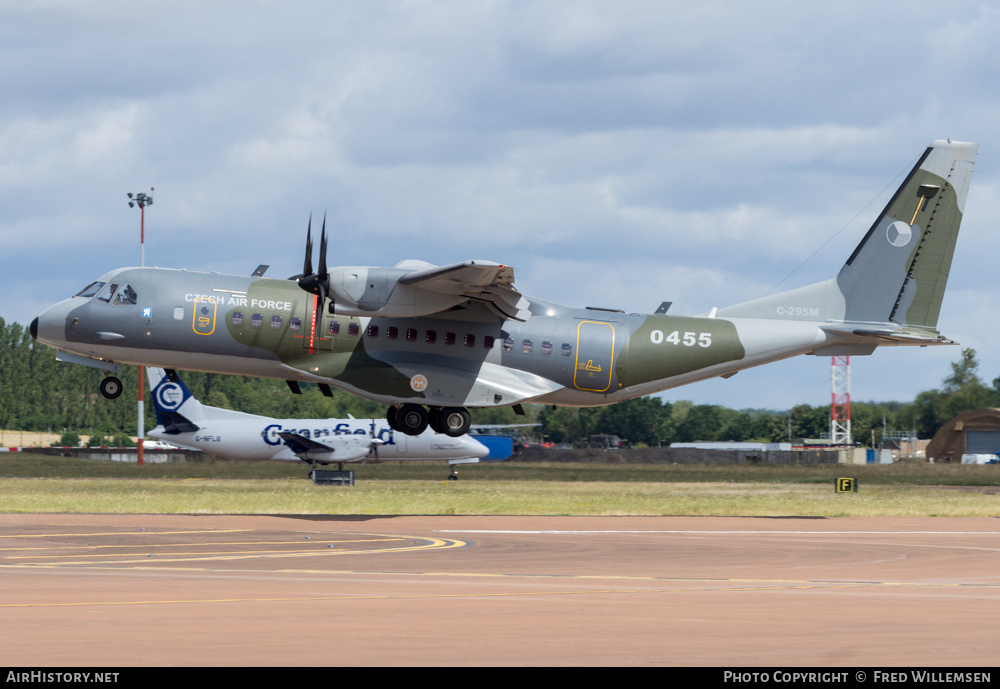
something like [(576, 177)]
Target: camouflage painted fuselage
[(461, 336)]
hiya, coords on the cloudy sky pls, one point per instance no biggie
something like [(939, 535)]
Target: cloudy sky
[(616, 154)]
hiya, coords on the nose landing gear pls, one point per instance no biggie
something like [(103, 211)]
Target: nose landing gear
[(111, 387)]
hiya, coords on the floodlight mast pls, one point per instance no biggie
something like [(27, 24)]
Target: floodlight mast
[(143, 200)]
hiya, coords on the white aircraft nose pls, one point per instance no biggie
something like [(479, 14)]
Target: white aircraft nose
[(475, 448)]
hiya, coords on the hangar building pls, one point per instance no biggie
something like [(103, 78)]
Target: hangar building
[(975, 432)]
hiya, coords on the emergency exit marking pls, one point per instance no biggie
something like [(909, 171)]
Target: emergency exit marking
[(847, 485)]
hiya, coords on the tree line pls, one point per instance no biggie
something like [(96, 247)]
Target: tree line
[(38, 393)]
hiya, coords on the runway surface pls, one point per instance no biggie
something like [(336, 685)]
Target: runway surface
[(121, 590)]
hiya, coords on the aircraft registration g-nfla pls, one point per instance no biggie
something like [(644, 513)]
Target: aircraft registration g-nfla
[(186, 422), (432, 341)]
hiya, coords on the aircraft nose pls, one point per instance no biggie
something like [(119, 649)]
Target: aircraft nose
[(50, 325), (476, 448)]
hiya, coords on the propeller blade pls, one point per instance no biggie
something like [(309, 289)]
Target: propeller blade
[(307, 267), (321, 271), (317, 283)]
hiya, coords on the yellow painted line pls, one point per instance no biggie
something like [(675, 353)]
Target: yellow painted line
[(206, 543), (430, 544)]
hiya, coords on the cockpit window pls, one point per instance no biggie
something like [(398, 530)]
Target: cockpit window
[(126, 295), (90, 290), (108, 292)]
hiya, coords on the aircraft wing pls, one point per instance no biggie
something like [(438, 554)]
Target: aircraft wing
[(342, 448), (446, 386), (460, 278), (301, 444), (482, 281)]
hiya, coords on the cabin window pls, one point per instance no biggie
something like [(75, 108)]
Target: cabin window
[(257, 320), (372, 331), (411, 334), (488, 342), (449, 338), (126, 295), (508, 344), (295, 324), (567, 348), (90, 290), (108, 292), (546, 347), (470, 340), (392, 332), (275, 322), (527, 346), (353, 329), (237, 318), (333, 328), (431, 337)]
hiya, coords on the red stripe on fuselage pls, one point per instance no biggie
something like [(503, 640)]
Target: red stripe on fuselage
[(312, 327)]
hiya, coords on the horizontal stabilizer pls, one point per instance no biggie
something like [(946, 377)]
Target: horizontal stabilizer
[(896, 336), (174, 423)]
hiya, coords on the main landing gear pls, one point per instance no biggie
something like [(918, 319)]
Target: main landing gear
[(413, 419)]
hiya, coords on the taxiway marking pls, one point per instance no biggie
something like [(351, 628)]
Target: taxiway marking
[(505, 594)]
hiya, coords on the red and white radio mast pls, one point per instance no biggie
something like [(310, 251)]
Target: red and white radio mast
[(840, 410)]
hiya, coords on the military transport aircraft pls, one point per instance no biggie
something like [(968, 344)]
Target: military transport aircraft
[(186, 422), (431, 341)]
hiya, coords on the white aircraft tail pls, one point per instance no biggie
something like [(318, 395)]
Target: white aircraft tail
[(177, 410)]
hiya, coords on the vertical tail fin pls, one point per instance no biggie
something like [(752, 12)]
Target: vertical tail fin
[(177, 410), (899, 271)]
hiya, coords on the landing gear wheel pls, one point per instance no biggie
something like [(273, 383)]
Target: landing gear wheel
[(435, 420), (456, 422), (390, 418), (412, 419), (111, 388)]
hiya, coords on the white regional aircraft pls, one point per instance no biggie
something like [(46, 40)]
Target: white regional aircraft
[(185, 422)]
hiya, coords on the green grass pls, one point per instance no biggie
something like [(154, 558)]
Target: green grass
[(27, 465), (38, 483)]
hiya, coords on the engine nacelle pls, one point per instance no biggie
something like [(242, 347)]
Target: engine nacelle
[(363, 291)]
